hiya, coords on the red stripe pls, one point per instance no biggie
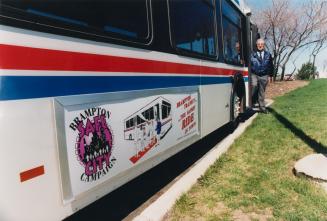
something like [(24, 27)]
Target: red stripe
[(32, 173), (27, 58)]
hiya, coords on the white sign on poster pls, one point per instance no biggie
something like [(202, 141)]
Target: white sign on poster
[(105, 140)]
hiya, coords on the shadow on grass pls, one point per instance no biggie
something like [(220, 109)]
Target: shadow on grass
[(316, 146)]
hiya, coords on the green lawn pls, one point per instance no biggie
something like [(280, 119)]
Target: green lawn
[(254, 179)]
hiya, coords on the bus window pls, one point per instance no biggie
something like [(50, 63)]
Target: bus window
[(165, 109), (151, 113), (120, 19), (190, 34), (232, 34), (148, 114), (129, 123), (139, 120)]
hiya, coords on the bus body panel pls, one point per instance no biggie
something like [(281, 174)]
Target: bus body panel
[(39, 137), (94, 134), (28, 137), (214, 107)]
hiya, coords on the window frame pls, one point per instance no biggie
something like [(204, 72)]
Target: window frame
[(222, 16), (188, 53), (21, 19)]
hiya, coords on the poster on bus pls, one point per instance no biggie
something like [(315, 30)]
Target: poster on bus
[(105, 140)]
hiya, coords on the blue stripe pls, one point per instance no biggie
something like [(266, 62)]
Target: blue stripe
[(23, 87)]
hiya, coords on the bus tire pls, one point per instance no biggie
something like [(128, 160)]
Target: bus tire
[(238, 99)]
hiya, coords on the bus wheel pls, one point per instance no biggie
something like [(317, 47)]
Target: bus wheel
[(238, 101)]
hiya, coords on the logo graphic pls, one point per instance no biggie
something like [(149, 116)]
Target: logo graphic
[(94, 143)]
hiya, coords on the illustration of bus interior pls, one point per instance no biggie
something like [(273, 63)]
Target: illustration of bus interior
[(152, 120)]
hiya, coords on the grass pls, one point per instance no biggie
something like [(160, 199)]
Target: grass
[(254, 179)]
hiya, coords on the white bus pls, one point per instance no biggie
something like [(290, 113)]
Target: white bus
[(72, 73)]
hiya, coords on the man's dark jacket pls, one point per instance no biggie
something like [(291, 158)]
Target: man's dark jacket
[(263, 66)]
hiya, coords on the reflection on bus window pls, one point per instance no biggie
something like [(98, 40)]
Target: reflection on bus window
[(232, 35), (190, 34), (120, 19)]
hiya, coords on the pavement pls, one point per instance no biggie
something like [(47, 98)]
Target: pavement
[(160, 207)]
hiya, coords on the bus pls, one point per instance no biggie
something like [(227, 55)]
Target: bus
[(94, 93)]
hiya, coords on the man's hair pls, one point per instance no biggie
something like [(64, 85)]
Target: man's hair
[(260, 40)]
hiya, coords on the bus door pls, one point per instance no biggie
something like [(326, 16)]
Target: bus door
[(253, 36), (157, 115)]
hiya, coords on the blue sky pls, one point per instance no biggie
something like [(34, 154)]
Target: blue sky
[(257, 4)]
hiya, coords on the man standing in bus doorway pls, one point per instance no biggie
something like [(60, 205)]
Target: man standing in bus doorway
[(261, 68), (238, 57)]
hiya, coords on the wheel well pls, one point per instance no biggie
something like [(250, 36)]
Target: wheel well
[(239, 85)]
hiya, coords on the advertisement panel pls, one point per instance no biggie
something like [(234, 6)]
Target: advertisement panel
[(107, 139)]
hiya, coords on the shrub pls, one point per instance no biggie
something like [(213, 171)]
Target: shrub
[(307, 71)]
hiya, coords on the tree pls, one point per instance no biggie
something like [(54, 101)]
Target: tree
[(319, 45), (288, 28), (307, 71)]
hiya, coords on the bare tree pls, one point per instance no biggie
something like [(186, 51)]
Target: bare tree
[(288, 28), (325, 65), (319, 46)]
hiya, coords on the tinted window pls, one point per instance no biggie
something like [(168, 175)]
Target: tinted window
[(232, 34), (145, 115), (130, 123), (165, 109), (148, 114), (193, 26), (123, 19), (139, 120), (231, 13), (164, 112)]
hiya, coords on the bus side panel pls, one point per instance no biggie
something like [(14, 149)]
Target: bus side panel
[(91, 129), (30, 184), (215, 104), (32, 144)]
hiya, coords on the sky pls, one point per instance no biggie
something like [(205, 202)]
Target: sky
[(304, 55)]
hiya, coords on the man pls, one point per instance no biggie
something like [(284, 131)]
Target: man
[(261, 68), (238, 57)]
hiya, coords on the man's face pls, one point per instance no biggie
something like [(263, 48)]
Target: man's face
[(260, 45), (238, 47)]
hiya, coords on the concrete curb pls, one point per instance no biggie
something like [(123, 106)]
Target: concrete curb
[(158, 209)]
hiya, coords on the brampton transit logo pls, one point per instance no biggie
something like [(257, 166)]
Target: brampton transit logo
[(94, 143)]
